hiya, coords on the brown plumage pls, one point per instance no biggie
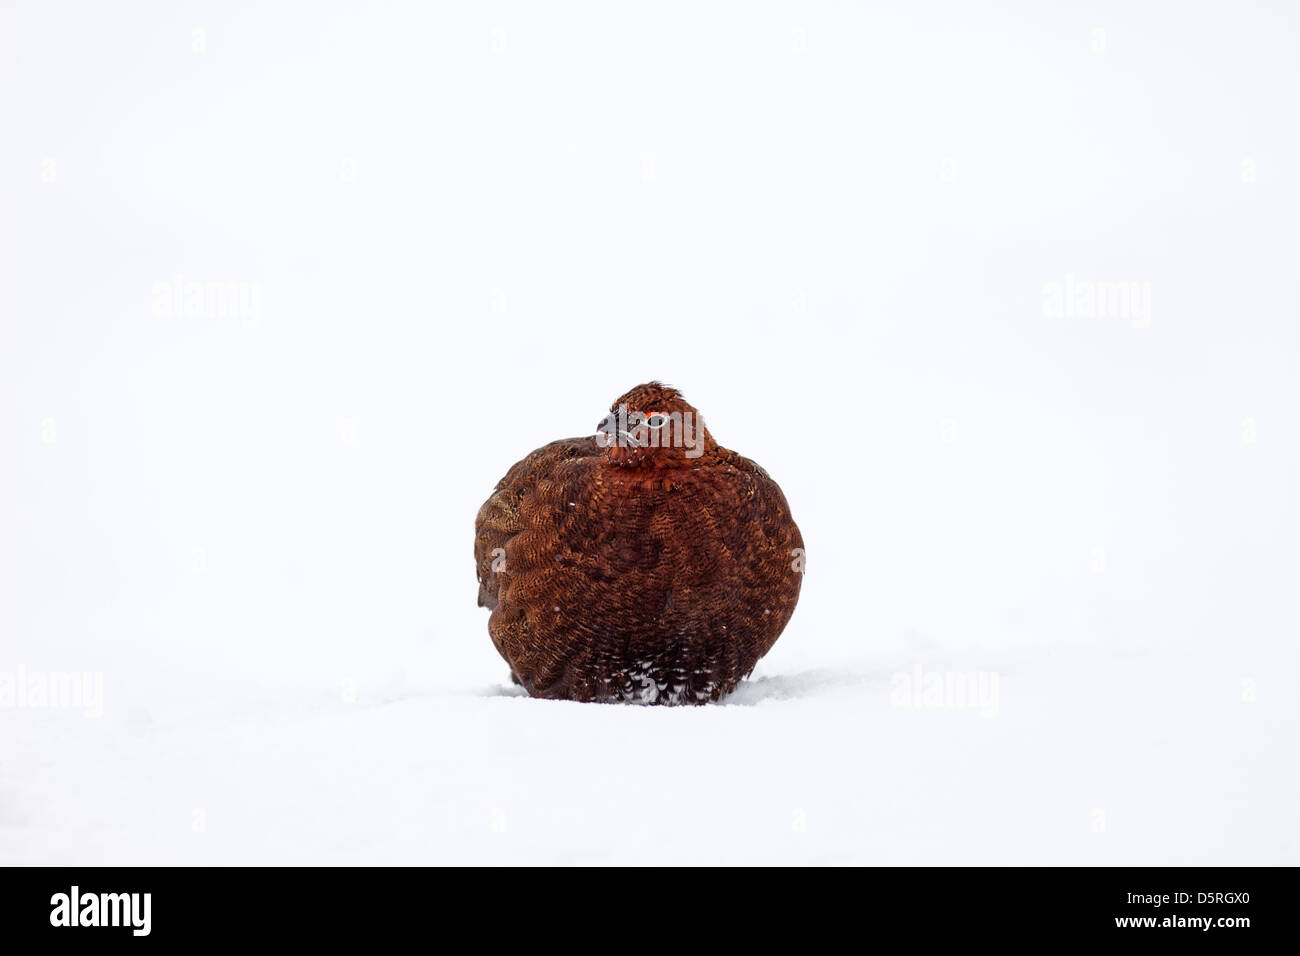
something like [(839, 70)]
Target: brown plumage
[(646, 563)]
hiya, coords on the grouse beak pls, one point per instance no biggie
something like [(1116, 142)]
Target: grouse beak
[(606, 428), (608, 433)]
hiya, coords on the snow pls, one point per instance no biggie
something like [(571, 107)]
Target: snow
[(1003, 300)]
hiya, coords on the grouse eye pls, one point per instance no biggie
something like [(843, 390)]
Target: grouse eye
[(657, 420)]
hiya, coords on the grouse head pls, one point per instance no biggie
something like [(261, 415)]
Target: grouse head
[(653, 426)]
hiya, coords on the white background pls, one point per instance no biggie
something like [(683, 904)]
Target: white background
[(836, 227)]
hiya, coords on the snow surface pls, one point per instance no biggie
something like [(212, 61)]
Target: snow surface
[(845, 231)]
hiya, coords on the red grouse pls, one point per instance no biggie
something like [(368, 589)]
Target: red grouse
[(646, 563)]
